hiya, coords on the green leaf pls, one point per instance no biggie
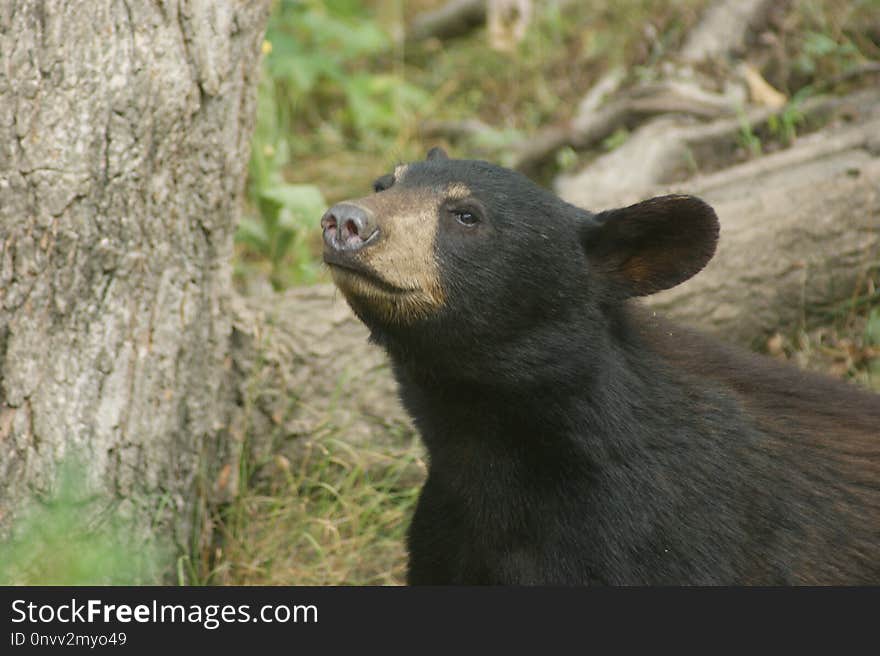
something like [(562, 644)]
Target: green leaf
[(252, 233), (872, 329), (295, 196), (301, 204), (819, 45)]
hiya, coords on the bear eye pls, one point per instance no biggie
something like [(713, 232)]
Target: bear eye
[(466, 217), (383, 183)]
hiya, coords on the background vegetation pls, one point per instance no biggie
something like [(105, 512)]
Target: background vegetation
[(340, 102)]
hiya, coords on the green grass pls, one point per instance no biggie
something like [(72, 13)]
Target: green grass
[(841, 339), (310, 509), (338, 516)]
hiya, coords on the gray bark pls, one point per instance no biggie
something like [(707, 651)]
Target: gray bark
[(124, 141), (725, 29), (452, 19)]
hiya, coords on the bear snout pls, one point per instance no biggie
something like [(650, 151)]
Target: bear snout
[(348, 227)]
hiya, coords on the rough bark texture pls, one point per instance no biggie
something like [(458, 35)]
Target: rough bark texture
[(124, 140)]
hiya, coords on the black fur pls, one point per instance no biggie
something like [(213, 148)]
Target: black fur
[(575, 439)]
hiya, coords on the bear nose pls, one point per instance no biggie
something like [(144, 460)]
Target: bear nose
[(348, 227)]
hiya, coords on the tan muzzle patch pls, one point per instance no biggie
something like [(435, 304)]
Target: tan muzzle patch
[(403, 256)]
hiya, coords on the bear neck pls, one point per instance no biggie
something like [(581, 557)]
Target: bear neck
[(562, 394)]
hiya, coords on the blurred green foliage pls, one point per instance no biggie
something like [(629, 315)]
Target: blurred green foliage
[(784, 125), (314, 90), (872, 339), (75, 536), (872, 328)]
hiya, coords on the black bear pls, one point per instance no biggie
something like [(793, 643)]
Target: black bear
[(574, 438)]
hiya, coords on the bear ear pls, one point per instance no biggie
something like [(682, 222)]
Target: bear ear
[(652, 245), (436, 153)]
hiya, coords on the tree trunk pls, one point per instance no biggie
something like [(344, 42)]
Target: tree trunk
[(124, 141)]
